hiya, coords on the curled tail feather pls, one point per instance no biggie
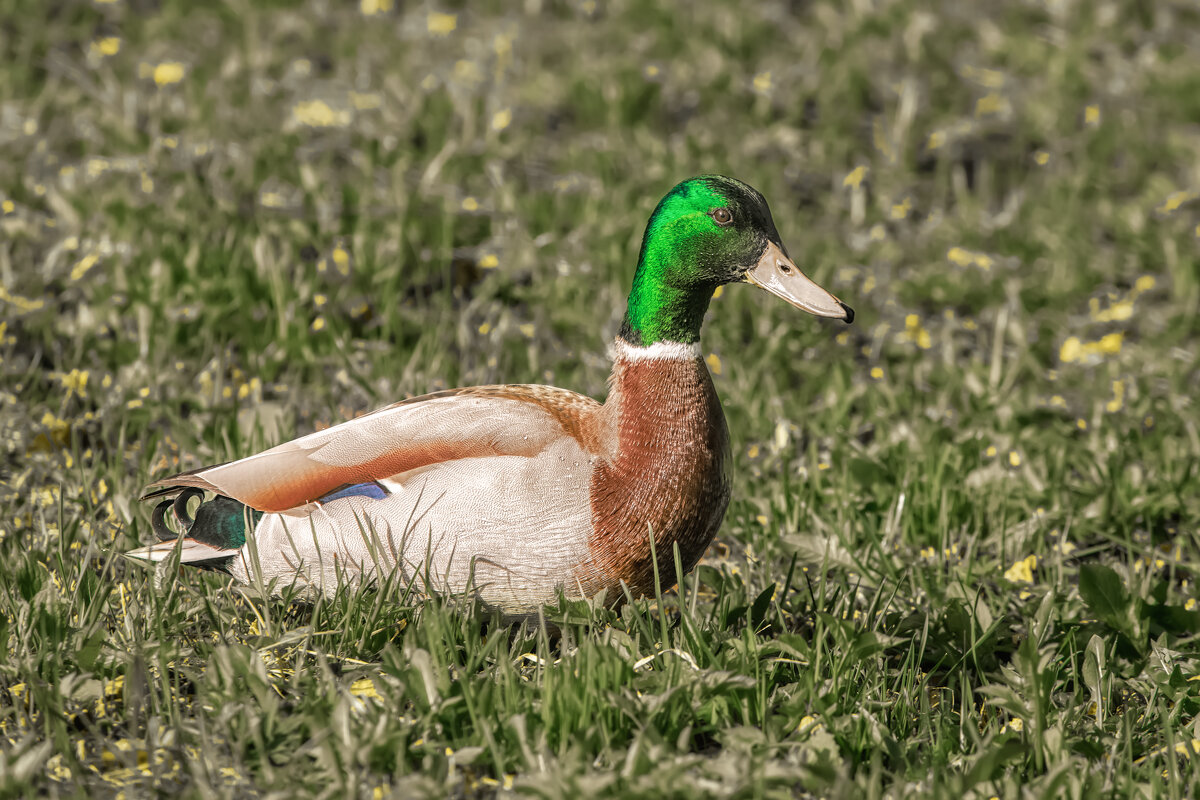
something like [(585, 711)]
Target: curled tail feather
[(211, 538)]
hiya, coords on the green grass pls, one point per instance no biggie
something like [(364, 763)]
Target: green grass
[(960, 560)]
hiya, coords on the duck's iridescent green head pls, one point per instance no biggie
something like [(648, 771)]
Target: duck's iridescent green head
[(706, 232)]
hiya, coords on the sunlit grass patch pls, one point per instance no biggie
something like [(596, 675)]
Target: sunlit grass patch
[(960, 557)]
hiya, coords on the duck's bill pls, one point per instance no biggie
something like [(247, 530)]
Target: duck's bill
[(780, 276)]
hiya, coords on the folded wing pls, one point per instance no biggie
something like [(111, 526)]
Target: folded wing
[(467, 423)]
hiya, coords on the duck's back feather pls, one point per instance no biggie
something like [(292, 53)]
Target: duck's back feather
[(518, 420)]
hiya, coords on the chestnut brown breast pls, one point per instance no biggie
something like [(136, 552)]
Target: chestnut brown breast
[(666, 470)]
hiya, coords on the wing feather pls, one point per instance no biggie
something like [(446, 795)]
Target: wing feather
[(475, 423)]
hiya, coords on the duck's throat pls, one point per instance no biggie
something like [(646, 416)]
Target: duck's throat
[(664, 407), (661, 312)]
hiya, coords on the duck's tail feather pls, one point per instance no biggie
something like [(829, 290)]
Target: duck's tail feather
[(190, 550), (212, 538)]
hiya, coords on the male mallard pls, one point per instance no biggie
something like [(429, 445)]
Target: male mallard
[(517, 492)]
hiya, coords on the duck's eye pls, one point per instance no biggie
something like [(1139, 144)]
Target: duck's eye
[(722, 216)]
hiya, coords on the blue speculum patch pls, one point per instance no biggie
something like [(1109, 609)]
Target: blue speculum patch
[(372, 490)]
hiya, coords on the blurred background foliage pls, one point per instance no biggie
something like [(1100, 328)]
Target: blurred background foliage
[(960, 558)]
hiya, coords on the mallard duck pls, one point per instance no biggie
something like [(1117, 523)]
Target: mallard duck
[(516, 493)]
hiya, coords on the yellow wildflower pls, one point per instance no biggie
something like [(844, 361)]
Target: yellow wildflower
[(75, 382), (370, 8), (22, 303), (1022, 571), (341, 259), (440, 24), (106, 46), (1175, 200), (167, 73), (318, 114), (855, 178)]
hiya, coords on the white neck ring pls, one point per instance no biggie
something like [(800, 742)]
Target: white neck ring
[(659, 351)]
